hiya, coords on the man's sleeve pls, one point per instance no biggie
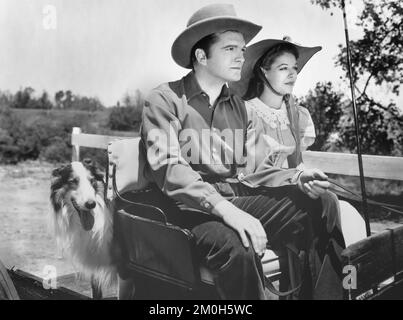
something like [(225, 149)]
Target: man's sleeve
[(171, 172)]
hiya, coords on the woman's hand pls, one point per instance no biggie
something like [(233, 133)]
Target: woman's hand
[(313, 182)]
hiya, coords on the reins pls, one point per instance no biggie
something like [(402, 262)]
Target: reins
[(357, 197)]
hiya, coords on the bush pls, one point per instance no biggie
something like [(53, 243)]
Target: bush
[(12, 137), (325, 106), (8, 151), (25, 135), (57, 151), (124, 119)]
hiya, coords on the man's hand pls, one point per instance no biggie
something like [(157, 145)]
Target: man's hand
[(243, 223), (313, 182)]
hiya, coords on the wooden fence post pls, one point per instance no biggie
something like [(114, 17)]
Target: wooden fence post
[(75, 156)]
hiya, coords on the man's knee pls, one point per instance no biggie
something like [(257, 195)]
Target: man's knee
[(235, 255), (221, 246), (243, 255)]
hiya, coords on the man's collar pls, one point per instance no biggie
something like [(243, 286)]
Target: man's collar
[(193, 89)]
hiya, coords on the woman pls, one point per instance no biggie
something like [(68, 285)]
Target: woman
[(268, 78)]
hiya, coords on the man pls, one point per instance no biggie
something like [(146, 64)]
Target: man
[(194, 131)]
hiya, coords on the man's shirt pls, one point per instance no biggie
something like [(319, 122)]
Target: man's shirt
[(192, 144)]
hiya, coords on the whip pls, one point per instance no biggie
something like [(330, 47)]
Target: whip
[(357, 131)]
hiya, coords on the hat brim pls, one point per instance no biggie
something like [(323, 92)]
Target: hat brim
[(187, 39), (255, 51)]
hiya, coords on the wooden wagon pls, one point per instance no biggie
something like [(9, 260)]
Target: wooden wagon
[(373, 267)]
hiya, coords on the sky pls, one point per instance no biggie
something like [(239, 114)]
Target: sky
[(106, 48)]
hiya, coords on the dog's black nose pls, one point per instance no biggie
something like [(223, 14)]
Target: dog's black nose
[(90, 204)]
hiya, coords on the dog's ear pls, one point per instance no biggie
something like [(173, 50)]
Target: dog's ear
[(57, 176), (98, 174), (93, 167), (57, 172), (62, 172), (88, 162)]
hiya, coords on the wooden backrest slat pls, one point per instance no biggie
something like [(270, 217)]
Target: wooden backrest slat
[(93, 140), (381, 167)]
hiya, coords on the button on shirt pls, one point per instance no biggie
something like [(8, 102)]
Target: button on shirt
[(191, 143)]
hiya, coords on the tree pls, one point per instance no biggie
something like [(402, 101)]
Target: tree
[(325, 107), (377, 60), (23, 98), (6, 99), (44, 102), (381, 133), (59, 95), (68, 99)]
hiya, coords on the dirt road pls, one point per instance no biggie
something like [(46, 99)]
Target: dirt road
[(26, 241)]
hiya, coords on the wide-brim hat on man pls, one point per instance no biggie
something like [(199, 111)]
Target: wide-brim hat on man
[(257, 50), (208, 20)]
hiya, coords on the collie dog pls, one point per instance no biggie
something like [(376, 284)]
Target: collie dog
[(83, 223)]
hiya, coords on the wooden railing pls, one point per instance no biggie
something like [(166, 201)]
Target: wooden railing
[(381, 167)]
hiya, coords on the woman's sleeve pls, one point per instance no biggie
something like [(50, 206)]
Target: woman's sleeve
[(306, 127)]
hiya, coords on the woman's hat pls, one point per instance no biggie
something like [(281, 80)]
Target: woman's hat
[(257, 50), (208, 20)]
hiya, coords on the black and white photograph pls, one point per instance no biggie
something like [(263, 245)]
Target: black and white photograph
[(229, 151)]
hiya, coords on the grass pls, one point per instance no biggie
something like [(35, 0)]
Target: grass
[(29, 116)]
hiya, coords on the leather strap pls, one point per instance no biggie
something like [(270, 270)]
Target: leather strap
[(269, 285), (7, 288)]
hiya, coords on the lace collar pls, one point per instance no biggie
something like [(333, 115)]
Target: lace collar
[(273, 117)]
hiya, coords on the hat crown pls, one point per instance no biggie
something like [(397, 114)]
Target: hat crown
[(209, 20), (212, 11)]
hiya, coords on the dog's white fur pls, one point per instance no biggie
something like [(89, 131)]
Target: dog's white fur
[(90, 251)]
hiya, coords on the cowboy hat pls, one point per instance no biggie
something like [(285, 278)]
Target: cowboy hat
[(257, 50), (208, 20)]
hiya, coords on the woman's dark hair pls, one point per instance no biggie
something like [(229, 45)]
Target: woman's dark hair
[(256, 84)]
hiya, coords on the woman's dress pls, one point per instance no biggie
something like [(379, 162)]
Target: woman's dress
[(278, 144)]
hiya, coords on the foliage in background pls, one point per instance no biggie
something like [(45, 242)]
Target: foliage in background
[(381, 134), (67, 100), (377, 61), (128, 116), (325, 106), (36, 128), (26, 99), (29, 135)]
